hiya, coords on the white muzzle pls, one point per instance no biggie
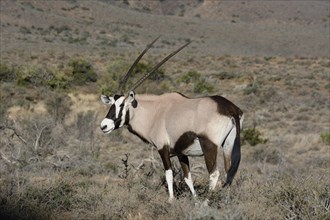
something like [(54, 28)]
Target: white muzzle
[(107, 125)]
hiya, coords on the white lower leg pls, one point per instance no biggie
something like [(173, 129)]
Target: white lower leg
[(169, 180), (214, 179), (190, 184)]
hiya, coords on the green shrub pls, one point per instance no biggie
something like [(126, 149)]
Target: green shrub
[(118, 68), (25, 30), (58, 105), (110, 79), (203, 87), (34, 76), (251, 88), (226, 75), (63, 28), (7, 74), (143, 68), (59, 81), (252, 136), (325, 137), (76, 72), (82, 72), (6, 100), (200, 84), (190, 77)]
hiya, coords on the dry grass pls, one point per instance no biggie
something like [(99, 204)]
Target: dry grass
[(67, 169)]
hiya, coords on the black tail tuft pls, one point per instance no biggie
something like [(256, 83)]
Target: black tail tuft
[(235, 157)]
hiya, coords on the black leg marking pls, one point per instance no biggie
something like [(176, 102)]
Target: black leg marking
[(184, 141), (165, 155), (184, 161), (210, 151)]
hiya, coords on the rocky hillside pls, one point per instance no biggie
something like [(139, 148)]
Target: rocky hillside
[(100, 28)]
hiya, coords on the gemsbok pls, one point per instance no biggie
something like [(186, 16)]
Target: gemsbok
[(179, 126)]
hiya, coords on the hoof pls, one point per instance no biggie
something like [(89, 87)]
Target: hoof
[(204, 203)]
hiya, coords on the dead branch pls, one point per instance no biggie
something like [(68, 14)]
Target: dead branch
[(37, 142), (3, 127), (126, 168), (6, 159), (143, 162)]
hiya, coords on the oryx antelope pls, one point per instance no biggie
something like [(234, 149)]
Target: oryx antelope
[(179, 126)]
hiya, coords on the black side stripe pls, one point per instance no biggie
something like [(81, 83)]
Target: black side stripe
[(227, 136), (130, 129)]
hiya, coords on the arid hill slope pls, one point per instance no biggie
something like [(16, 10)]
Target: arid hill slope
[(247, 28)]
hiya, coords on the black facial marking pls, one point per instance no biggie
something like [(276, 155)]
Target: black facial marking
[(117, 97), (112, 112), (134, 104), (127, 118), (117, 121)]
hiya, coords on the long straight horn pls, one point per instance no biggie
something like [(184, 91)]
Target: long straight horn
[(140, 81), (123, 81)]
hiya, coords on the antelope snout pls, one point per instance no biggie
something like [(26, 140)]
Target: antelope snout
[(103, 127), (107, 125)]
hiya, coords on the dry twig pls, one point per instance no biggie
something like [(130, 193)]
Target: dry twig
[(16, 133)]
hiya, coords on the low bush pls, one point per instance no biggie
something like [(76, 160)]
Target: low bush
[(298, 202), (200, 84), (252, 136), (34, 76), (325, 137), (44, 200), (82, 72), (143, 68), (203, 87), (60, 80), (7, 73), (76, 72), (110, 79), (251, 88), (272, 156), (58, 105), (190, 77), (118, 68)]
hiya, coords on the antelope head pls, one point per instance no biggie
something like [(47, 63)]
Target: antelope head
[(118, 114)]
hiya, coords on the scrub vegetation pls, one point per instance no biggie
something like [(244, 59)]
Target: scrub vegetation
[(55, 163)]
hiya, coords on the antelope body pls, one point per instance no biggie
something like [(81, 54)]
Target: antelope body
[(180, 126)]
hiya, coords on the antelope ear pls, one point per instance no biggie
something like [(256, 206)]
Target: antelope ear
[(131, 99), (107, 99)]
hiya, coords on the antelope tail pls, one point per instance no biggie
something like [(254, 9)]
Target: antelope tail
[(235, 155)]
